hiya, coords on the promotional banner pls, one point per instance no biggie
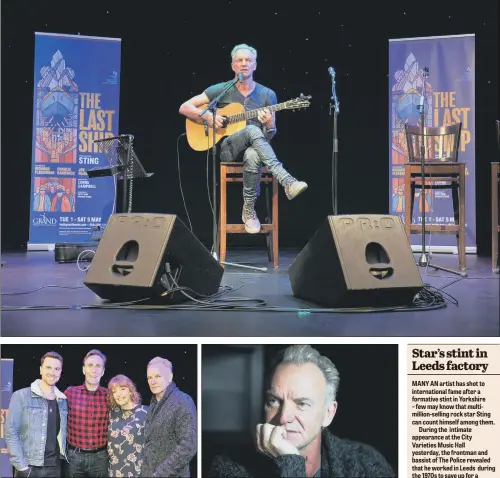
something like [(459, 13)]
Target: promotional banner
[(76, 101), (449, 99), (7, 379)]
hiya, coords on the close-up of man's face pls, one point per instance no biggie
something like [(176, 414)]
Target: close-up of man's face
[(93, 369), (244, 61), (159, 377), (296, 400), (50, 370)]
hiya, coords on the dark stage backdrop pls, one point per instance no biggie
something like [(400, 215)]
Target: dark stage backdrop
[(173, 50), (130, 360), (233, 394)]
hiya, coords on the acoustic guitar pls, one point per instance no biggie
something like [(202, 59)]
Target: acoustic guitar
[(200, 135)]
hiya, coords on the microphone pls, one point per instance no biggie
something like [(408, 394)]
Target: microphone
[(331, 71), (241, 77)]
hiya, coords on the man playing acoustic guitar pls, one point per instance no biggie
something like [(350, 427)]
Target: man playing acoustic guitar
[(250, 144)]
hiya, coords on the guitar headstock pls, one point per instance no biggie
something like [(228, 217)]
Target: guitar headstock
[(301, 102)]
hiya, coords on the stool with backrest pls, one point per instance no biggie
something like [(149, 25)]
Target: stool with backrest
[(495, 219), (441, 171), (232, 172)]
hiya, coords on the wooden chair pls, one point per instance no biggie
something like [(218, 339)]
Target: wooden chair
[(495, 219), (233, 173), (441, 145)]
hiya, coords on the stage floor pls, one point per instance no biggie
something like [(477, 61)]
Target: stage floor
[(477, 312)]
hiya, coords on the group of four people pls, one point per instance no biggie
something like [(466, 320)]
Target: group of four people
[(90, 430)]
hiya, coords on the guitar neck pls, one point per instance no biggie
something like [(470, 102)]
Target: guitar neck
[(254, 113)]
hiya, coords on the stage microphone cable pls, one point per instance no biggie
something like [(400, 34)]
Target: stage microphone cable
[(429, 298), (214, 219), (82, 256), (180, 181), (213, 300), (208, 182), (43, 287)]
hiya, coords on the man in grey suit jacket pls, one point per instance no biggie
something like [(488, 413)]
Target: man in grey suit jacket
[(170, 432)]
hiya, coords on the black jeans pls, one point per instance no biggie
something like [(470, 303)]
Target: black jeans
[(40, 471), (93, 464)]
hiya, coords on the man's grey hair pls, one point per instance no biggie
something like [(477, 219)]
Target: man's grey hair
[(163, 361), (243, 46), (302, 354)]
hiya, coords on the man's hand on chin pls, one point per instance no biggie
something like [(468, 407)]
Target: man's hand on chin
[(271, 441)]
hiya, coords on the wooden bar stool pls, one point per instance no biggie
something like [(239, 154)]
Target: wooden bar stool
[(441, 171), (495, 219), (232, 172)]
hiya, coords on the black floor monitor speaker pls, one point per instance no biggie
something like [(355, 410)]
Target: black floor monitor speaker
[(357, 261), (143, 256)]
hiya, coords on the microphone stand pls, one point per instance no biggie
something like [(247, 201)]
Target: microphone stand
[(212, 106), (424, 261), (335, 106)]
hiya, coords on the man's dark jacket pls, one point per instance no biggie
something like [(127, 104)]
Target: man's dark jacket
[(170, 435), (339, 458)]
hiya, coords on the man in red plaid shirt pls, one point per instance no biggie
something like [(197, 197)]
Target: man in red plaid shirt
[(88, 421)]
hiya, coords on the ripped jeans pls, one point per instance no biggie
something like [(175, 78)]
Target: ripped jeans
[(250, 146)]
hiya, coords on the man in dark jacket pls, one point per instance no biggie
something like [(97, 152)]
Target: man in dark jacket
[(294, 440), (170, 431)]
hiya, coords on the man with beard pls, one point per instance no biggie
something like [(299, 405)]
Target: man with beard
[(295, 440), (35, 428)]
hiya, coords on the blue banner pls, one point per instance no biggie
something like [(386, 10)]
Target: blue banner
[(7, 379), (76, 101), (449, 99)]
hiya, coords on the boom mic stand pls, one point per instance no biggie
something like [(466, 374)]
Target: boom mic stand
[(212, 106), (424, 261), (335, 106)]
